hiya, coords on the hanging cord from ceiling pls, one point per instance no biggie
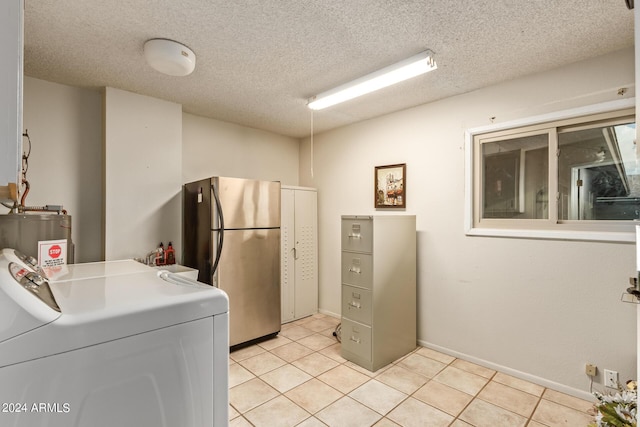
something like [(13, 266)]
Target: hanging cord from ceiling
[(311, 148)]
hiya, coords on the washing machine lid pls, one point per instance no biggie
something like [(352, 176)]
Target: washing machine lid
[(94, 269), (94, 310), (136, 295)]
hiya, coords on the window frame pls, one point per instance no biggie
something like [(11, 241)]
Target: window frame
[(551, 228)]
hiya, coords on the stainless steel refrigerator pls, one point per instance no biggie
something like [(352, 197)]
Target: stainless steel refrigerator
[(231, 234)]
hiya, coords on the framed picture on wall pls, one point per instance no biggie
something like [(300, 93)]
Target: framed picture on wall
[(389, 186)]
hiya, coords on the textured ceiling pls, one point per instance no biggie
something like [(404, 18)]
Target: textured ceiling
[(258, 61)]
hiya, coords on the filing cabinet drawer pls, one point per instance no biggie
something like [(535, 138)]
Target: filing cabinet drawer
[(357, 234), (357, 269), (356, 304), (356, 339)]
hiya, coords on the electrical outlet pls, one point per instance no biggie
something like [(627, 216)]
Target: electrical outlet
[(610, 379), (591, 370)]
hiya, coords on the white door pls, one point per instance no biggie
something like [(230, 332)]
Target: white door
[(306, 253), (299, 253)]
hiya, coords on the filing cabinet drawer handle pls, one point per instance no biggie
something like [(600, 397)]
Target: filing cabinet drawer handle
[(355, 340), (351, 270), (355, 304), (354, 236)]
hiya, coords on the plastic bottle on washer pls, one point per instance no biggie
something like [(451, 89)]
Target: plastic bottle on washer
[(170, 254)]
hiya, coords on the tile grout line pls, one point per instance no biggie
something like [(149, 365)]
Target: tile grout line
[(536, 408), (474, 397), (528, 418)]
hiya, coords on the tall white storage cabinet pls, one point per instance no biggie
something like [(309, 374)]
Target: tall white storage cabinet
[(11, 24), (378, 288), (299, 256)]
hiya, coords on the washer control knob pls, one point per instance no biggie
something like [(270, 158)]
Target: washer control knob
[(36, 284), (26, 258), (36, 279)]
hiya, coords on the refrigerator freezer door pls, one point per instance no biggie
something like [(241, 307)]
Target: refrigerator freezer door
[(196, 227), (250, 275), (247, 203)]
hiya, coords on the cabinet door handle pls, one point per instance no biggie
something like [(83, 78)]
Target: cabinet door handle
[(355, 340), (295, 253), (355, 304)]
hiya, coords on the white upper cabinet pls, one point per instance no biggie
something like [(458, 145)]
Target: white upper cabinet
[(11, 50)]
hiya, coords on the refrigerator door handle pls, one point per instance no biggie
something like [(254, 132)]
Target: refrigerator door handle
[(220, 234)]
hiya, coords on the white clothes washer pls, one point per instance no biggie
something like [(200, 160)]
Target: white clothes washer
[(110, 344)]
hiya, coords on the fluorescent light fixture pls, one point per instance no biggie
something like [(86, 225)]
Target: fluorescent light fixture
[(403, 70)]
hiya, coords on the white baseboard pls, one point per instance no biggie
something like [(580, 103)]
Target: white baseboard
[(513, 372), (329, 313), (582, 394)]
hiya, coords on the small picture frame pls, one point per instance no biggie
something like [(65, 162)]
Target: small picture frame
[(389, 186)]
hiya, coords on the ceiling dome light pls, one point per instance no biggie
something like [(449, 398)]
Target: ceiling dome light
[(169, 57)]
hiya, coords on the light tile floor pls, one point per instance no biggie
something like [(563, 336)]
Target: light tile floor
[(300, 379)]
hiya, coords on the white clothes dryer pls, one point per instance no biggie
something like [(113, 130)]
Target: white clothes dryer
[(110, 344)]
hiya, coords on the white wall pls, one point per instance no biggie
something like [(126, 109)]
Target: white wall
[(215, 148), (143, 193), (65, 165), (535, 308)]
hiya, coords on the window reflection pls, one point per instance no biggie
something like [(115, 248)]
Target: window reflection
[(598, 173), (515, 179)]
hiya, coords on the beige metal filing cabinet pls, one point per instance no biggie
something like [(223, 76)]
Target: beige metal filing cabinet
[(378, 288)]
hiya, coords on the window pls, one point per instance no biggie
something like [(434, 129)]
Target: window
[(598, 175), (514, 177), (571, 175)]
